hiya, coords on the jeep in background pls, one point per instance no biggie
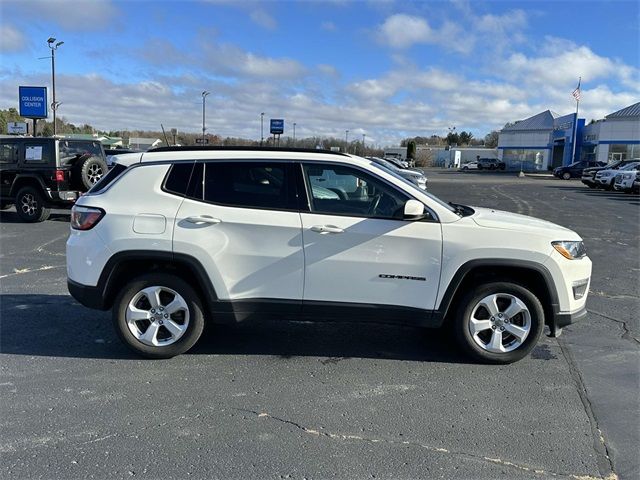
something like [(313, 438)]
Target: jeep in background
[(37, 174)]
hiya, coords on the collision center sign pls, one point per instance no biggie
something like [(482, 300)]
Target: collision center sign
[(33, 102), (277, 126)]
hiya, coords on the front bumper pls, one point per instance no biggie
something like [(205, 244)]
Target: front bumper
[(561, 320)]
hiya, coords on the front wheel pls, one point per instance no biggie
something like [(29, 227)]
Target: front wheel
[(566, 176), (499, 322), (158, 316)]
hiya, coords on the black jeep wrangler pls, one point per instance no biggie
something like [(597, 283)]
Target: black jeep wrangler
[(39, 173)]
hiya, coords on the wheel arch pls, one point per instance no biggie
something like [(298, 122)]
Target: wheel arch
[(27, 181), (533, 276), (123, 266)]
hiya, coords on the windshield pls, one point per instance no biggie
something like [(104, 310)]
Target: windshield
[(386, 164), (630, 166), (415, 188)]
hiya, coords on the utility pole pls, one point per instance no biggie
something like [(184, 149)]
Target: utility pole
[(294, 133), (363, 151), (346, 141), (204, 97), (261, 128), (54, 105)]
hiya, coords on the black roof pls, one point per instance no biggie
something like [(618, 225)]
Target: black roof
[(203, 148)]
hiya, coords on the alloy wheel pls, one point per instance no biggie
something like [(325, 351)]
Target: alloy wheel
[(157, 316), (94, 173), (29, 204), (500, 323)]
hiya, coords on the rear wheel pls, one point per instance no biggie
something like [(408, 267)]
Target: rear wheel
[(499, 323), (30, 205), (158, 316)]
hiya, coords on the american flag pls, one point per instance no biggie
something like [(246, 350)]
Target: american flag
[(576, 92)]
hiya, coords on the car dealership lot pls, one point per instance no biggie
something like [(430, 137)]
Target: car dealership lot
[(332, 400)]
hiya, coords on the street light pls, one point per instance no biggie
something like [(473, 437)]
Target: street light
[(261, 128), (204, 97), (346, 141), (294, 133), (54, 105)]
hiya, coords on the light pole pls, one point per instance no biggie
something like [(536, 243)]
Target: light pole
[(346, 141), (54, 105), (204, 97), (363, 136), (261, 128), (294, 133)]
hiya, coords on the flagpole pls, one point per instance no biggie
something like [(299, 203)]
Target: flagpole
[(575, 126)]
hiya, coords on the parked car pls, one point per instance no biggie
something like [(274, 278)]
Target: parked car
[(222, 233), (624, 180), (589, 174), (413, 176), (483, 163), (635, 187), (575, 169), (39, 173), (606, 178)]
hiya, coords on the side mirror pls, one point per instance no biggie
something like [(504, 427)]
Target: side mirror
[(413, 210)]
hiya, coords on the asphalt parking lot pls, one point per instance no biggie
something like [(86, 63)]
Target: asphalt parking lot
[(296, 400)]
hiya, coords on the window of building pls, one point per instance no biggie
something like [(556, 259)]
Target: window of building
[(347, 191), (515, 159), (623, 151)]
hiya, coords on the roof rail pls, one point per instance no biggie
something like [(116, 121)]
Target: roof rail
[(201, 148)]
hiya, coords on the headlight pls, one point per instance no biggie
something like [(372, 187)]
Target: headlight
[(569, 249)]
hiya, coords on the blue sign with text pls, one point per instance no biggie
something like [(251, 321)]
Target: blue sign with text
[(277, 126), (33, 102)]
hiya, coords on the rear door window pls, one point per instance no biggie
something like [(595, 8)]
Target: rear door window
[(261, 185), (9, 152)]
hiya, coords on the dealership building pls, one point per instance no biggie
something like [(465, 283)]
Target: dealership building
[(616, 137), (546, 140)]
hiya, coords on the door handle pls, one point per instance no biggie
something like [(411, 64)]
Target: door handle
[(200, 219), (326, 229)]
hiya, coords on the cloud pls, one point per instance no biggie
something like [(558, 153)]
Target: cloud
[(262, 18), (12, 40), (328, 26), (401, 31), (76, 15)]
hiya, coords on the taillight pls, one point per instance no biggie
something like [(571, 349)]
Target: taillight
[(85, 218), (59, 175)]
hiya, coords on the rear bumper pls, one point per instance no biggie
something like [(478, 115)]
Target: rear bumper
[(88, 296)]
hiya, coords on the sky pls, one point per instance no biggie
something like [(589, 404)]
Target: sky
[(386, 69)]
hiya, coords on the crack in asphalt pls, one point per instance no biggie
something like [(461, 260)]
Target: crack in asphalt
[(496, 461), (612, 297), (603, 457), (627, 335)]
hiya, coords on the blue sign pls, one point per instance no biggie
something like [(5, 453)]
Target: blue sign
[(33, 102), (277, 126)]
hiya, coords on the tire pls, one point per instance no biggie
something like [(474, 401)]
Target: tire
[(89, 171), (464, 169), (480, 167), (609, 186), (528, 319), (30, 205), (161, 341), (566, 176)]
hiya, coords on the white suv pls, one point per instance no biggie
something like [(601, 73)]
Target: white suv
[(175, 237)]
